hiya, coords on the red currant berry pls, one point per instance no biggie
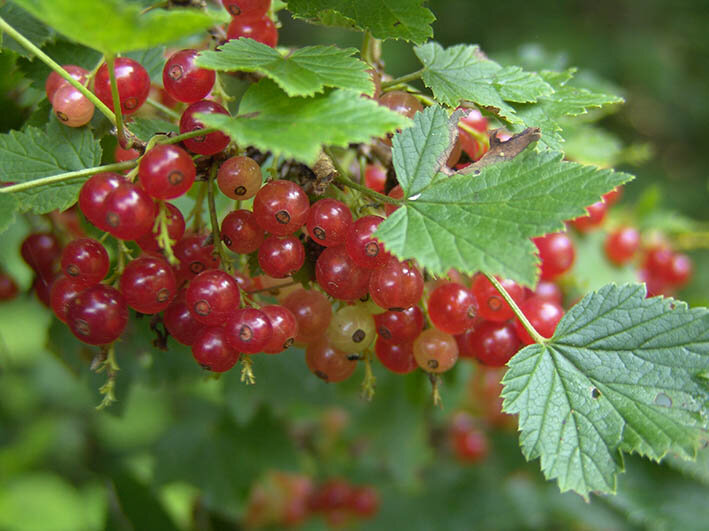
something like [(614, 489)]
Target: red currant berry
[(195, 256), (340, 276), (148, 284), (679, 271), (397, 357), (463, 342), (556, 251), (210, 143), (241, 233), (594, 218), (549, 291), (85, 261), (472, 145), (212, 296), (247, 8), (63, 291), (40, 251), (401, 102), (622, 244), (657, 260), (470, 446), (395, 193), (494, 343), (543, 315), (375, 177), (400, 326), (71, 107), (123, 155), (166, 172), (180, 322), (42, 286), (93, 194), (211, 350), (284, 326), (328, 363), (248, 330), (8, 288), (129, 212), (397, 285), (491, 305), (98, 315), (435, 351), (55, 81), (612, 197), (452, 308), (185, 81), (281, 207), (281, 257), (312, 311), (239, 178), (329, 221), (175, 230), (133, 84), (351, 329), (364, 502), (364, 248), (260, 29)]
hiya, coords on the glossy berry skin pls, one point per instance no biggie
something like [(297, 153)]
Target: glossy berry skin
[(98, 315), (281, 207), (435, 351), (248, 330), (375, 178), (240, 232), (85, 261), (470, 446), (284, 327), (247, 8), (622, 244), (281, 257), (399, 326), (594, 218), (543, 315), (397, 357), (364, 501), (397, 285), (122, 155), (494, 343), (556, 251), (55, 81), (312, 311), (340, 276), (401, 102), (166, 171), (129, 212), (71, 107), (239, 178), (8, 288), (133, 84), (491, 305), (40, 251), (328, 363), (549, 291), (148, 284), (194, 256), (612, 197), (93, 194), (260, 29), (175, 229), (212, 296), (329, 222), (351, 329), (211, 350), (679, 271), (364, 248), (657, 260), (208, 144), (63, 291), (463, 341), (452, 308), (183, 80), (180, 322)]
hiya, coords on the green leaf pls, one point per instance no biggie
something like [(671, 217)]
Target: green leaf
[(8, 206), (152, 59), (146, 128), (301, 73), (27, 25), (463, 73), (484, 222), (621, 373), (113, 26), (34, 153), (298, 127), (385, 19), (565, 101)]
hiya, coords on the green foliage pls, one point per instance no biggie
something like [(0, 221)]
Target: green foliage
[(298, 127), (63, 52), (146, 128), (27, 25), (621, 374), (303, 72), (385, 19)]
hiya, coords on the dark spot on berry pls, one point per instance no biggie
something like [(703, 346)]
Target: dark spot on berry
[(371, 249), (283, 217), (288, 343), (240, 190), (245, 333), (82, 327), (163, 295), (72, 270), (321, 375), (234, 10), (227, 240), (359, 336), (130, 103), (112, 219), (494, 303), (175, 177), (396, 309), (176, 72), (432, 364), (384, 332), (364, 298), (62, 116), (202, 308), (319, 233), (197, 267)]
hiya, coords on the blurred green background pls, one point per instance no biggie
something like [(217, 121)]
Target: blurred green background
[(182, 451)]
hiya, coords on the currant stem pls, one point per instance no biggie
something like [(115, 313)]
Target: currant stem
[(370, 381), (27, 44), (538, 338), (216, 234), (161, 139), (435, 391), (117, 166), (340, 177), (413, 76), (477, 135), (247, 370), (110, 366), (163, 108), (163, 236), (110, 64)]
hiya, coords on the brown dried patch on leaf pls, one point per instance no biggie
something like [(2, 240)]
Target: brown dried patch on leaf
[(502, 151)]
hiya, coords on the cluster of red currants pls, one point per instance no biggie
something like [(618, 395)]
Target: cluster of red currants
[(250, 19)]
